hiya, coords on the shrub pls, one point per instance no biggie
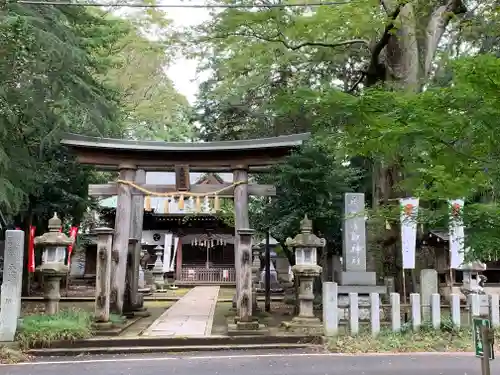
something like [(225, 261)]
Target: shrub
[(42, 330), (424, 340)]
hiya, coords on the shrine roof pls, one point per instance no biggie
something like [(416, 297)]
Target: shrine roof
[(108, 153), (78, 140)]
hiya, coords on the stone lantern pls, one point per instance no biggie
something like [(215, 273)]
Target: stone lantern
[(158, 273), (53, 268), (305, 245)]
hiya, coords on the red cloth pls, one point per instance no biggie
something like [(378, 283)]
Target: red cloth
[(31, 249)]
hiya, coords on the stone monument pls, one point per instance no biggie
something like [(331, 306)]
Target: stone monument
[(428, 287), (10, 301), (275, 285), (354, 278)]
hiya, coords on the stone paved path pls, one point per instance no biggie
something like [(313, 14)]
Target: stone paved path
[(191, 316)]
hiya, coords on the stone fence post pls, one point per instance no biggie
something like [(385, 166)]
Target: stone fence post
[(103, 274), (330, 309), (12, 284)]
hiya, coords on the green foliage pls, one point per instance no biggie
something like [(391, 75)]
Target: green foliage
[(444, 142), (153, 109), (48, 88), (424, 340), (312, 181), (42, 330), (73, 69)]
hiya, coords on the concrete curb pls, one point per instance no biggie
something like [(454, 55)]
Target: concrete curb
[(59, 352), (144, 344), (146, 298)]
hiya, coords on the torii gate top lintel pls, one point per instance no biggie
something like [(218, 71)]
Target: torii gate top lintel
[(219, 156)]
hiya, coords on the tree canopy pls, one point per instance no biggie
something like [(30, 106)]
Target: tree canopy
[(405, 90), (73, 69)]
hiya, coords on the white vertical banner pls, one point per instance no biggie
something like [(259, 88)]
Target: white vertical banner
[(456, 233), (176, 245), (409, 214), (167, 252)]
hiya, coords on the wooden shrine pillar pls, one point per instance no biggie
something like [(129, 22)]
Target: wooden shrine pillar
[(242, 266), (136, 224), (122, 233)]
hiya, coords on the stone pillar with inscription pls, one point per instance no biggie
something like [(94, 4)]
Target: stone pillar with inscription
[(103, 276), (121, 238), (136, 224), (10, 299), (354, 278), (245, 322)]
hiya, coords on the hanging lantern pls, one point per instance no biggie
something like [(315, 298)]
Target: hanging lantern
[(147, 203), (180, 204), (198, 204), (166, 206)]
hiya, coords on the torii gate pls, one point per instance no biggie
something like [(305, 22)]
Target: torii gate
[(133, 158)]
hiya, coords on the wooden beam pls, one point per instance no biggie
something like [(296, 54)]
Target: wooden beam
[(108, 190)]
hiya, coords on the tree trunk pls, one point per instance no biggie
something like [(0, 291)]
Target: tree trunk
[(408, 57)]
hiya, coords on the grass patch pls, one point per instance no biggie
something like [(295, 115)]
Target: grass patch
[(11, 355), (427, 339), (42, 330)]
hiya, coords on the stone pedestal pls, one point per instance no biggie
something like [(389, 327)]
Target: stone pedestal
[(51, 291), (306, 319)]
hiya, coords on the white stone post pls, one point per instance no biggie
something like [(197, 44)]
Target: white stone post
[(455, 310), (395, 312), (375, 313), (10, 299), (353, 313), (416, 315), (436, 310), (494, 310), (330, 309)]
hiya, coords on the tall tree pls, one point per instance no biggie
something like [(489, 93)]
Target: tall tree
[(153, 109)]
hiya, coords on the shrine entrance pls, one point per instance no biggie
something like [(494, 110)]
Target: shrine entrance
[(133, 159)]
